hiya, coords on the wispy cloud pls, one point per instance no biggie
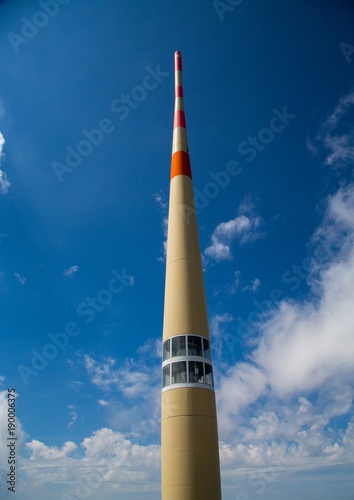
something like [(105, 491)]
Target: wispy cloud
[(336, 135), (229, 288), (151, 348), (219, 323), (137, 411), (161, 201), (253, 286), (131, 380), (4, 181), (162, 205), (246, 227), (69, 273), (20, 278), (73, 415)]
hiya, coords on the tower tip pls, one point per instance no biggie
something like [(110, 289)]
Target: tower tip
[(178, 61)]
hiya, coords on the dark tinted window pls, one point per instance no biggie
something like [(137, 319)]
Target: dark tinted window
[(194, 346), (179, 346)]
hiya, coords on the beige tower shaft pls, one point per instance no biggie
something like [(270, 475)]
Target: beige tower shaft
[(189, 437)]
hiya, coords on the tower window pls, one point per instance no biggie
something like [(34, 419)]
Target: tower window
[(194, 346), (179, 372), (195, 369), (179, 346), (207, 350), (209, 374), (166, 350), (166, 377)]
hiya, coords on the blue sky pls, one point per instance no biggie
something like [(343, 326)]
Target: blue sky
[(86, 111)]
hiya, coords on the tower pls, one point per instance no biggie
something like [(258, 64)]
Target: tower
[(189, 436)]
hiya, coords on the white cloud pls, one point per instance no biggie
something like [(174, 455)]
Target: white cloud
[(73, 415), (151, 348), (75, 384), (218, 324), (244, 228), (41, 451), (163, 209), (336, 134), (160, 201), (229, 288), (4, 181), (102, 402), (20, 278), (111, 465), (69, 273), (2, 379), (132, 379), (102, 374), (279, 404), (217, 321), (253, 286), (289, 402), (303, 345), (137, 410)]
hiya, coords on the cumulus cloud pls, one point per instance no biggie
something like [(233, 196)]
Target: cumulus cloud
[(111, 464), (4, 181), (69, 273), (303, 345), (246, 227), (299, 376), (41, 451)]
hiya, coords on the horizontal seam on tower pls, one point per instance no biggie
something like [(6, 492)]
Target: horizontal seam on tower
[(190, 415), (182, 258)]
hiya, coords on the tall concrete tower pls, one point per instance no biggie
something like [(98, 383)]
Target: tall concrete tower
[(189, 436)]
